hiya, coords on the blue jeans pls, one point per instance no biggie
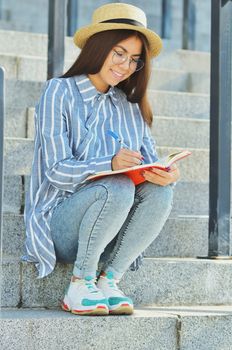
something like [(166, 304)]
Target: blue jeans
[(106, 224)]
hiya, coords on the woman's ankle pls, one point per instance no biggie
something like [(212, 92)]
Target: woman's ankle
[(102, 273), (74, 278)]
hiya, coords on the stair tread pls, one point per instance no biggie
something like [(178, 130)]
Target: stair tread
[(139, 311), (165, 259)]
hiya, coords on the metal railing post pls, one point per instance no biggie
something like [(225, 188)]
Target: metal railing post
[(2, 114), (1, 17), (166, 24), (220, 128), (56, 37), (72, 17), (189, 25)]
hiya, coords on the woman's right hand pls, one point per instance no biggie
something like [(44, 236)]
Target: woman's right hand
[(126, 158)]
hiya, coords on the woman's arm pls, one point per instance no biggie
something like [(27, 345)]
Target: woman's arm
[(62, 169)]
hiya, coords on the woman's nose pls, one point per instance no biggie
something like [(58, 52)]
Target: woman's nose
[(125, 64)]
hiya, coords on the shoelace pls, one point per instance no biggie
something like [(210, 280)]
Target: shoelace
[(91, 286), (113, 285)]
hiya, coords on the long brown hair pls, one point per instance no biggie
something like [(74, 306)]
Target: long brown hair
[(92, 58)]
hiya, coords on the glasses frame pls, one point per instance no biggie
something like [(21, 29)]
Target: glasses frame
[(116, 54)]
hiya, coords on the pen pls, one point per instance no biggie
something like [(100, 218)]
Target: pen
[(117, 138)]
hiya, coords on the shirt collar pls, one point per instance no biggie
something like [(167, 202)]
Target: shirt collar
[(89, 92)]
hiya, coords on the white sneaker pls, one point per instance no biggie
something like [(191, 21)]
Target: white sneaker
[(84, 298), (118, 302)]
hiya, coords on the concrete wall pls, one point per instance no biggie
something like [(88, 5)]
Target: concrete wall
[(32, 16)]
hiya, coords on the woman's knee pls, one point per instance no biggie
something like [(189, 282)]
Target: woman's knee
[(166, 196), (119, 189), (161, 196)]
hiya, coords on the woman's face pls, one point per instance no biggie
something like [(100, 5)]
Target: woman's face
[(112, 74)]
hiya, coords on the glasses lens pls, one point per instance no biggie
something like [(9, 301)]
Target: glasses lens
[(119, 57), (140, 65)]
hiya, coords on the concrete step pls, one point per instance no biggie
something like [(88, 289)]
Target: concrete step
[(181, 132), (172, 131), (55, 329), (160, 281), (21, 165), (30, 68), (179, 104), (180, 236), (167, 131), (164, 103), (21, 94), (13, 199), (187, 60), (32, 44), (149, 328), (191, 198), (179, 80), (15, 124)]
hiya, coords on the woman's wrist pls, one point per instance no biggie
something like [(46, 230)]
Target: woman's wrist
[(112, 160)]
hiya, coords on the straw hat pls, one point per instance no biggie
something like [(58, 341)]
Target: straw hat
[(119, 16)]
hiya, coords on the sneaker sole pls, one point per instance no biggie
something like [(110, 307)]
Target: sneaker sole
[(123, 309), (97, 311)]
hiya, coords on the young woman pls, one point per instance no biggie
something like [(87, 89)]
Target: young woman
[(101, 226)]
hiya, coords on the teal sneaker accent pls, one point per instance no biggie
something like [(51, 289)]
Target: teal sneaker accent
[(119, 303), (116, 300), (89, 278), (89, 284), (110, 275), (88, 302)]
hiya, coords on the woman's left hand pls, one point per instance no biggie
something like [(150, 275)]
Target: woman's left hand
[(162, 177)]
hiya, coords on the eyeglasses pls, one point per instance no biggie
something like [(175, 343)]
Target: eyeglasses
[(135, 64)]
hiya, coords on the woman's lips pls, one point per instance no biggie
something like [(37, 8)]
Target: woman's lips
[(117, 75)]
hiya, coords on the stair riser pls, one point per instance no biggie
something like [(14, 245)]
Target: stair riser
[(183, 133), (13, 199), (15, 124), (159, 281), (179, 104), (167, 131), (21, 43), (163, 103), (191, 167), (179, 237), (175, 132), (35, 69), (169, 80), (190, 61), (149, 328), (189, 198), (68, 331)]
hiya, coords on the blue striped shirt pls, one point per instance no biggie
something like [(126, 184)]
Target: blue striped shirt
[(71, 120)]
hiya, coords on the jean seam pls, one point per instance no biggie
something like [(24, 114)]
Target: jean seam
[(131, 215), (90, 236)]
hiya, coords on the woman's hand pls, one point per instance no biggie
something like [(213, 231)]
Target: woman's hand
[(162, 177), (126, 158)]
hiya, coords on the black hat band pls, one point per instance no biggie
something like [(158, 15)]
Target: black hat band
[(124, 20)]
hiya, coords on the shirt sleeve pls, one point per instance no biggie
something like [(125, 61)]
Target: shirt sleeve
[(148, 148), (61, 167)]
